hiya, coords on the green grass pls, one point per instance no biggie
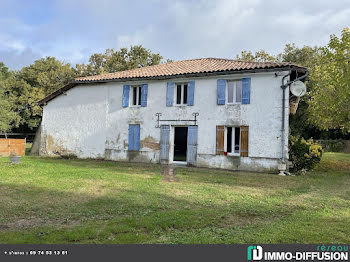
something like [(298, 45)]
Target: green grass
[(48, 200)]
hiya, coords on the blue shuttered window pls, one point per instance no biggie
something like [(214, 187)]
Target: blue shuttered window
[(134, 138), (192, 137), (234, 93), (184, 93), (170, 94), (144, 92), (126, 91), (190, 93), (164, 143), (221, 90), (246, 82)]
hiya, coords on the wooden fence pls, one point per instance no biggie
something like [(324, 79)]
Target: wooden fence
[(28, 136), (12, 147)]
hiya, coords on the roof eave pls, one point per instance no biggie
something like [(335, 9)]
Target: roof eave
[(58, 92)]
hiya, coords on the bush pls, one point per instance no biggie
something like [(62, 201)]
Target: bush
[(305, 154)]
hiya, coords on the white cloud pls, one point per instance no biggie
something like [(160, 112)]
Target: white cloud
[(137, 38), (189, 29), (177, 29), (8, 42)]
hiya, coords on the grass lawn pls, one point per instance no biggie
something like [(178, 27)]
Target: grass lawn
[(47, 200)]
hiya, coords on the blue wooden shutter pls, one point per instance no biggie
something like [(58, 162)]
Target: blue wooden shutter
[(126, 91), (190, 93), (131, 138), (221, 90), (164, 143), (246, 82), (170, 94), (192, 137), (137, 137), (144, 92)]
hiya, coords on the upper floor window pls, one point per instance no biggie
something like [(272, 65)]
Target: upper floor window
[(181, 94), (234, 92), (136, 96)]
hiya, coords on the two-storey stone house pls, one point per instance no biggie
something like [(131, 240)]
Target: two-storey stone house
[(207, 112)]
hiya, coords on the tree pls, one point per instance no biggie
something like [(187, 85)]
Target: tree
[(23, 98), (8, 118), (32, 83), (47, 74), (259, 56), (329, 106), (4, 72), (114, 61), (305, 56)]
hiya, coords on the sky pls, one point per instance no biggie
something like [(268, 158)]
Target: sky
[(72, 30)]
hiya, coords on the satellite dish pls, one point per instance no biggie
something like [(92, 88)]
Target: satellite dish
[(298, 88)]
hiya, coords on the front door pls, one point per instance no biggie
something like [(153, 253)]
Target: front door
[(180, 143)]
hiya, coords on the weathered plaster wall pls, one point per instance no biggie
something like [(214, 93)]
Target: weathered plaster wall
[(91, 122), (75, 123)]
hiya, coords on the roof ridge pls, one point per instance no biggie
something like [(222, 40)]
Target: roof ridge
[(238, 60), (248, 61)]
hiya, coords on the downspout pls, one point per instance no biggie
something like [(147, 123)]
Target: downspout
[(284, 86)]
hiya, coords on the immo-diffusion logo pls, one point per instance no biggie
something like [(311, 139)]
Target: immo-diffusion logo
[(255, 252), (323, 253)]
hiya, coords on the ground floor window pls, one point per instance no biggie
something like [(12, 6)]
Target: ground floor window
[(233, 140)]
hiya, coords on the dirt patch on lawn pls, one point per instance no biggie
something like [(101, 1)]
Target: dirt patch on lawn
[(4, 227), (36, 222), (25, 223), (237, 221)]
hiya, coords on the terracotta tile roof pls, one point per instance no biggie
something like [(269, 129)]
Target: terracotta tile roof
[(185, 67)]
